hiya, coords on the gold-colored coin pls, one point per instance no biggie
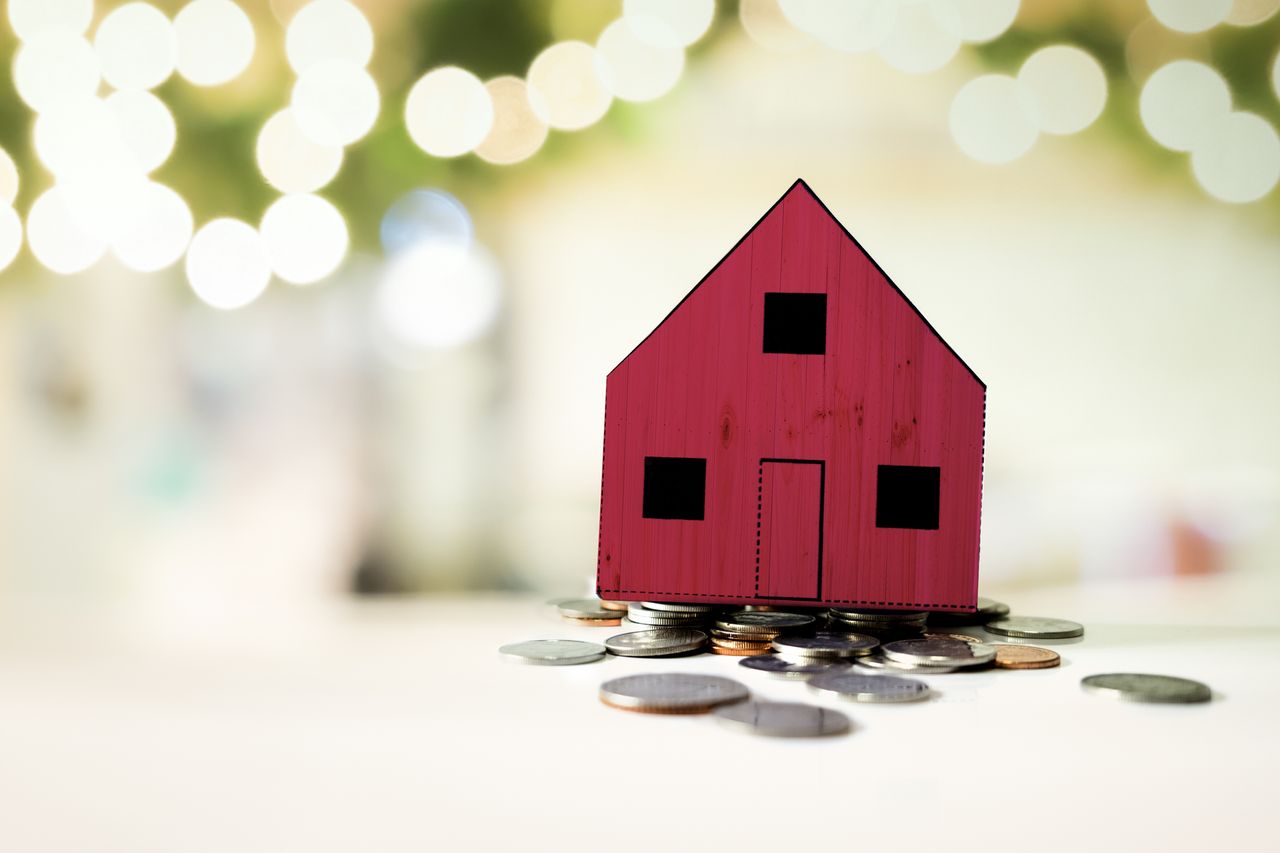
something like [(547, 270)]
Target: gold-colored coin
[(613, 605), (697, 709), (721, 650), (1009, 656), (593, 623), (726, 643)]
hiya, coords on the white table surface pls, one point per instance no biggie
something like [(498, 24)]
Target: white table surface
[(396, 726)]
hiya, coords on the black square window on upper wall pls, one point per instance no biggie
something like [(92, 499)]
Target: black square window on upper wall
[(795, 323), (674, 487), (907, 496)]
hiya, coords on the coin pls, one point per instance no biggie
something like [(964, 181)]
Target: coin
[(593, 623), (656, 642), (796, 670), (753, 636), (1139, 687), (678, 606), (721, 650), (964, 638), (726, 643), (783, 719), (1024, 657), (939, 652), (1035, 627), (586, 608), (880, 662), (552, 652), (642, 615), (826, 644), (859, 687), (671, 692), (614, 605), (748, 621)]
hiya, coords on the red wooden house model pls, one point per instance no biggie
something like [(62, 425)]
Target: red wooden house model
[(793, 432)]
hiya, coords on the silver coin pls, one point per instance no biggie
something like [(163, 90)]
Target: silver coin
[(939, 652), (1035, 627), (881, 615), (826, 644), (678, 606), (861, 687), (783, 719), (879, 662), (1138, 687), (753, 620), (671, 692), (656, 643), (552, 652), (794, 670), (586, 608)]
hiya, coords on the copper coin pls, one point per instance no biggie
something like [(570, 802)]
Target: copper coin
[(720, 650), (738, 644), (1009, 656), (693, 709), (613, 605), (592, 623)]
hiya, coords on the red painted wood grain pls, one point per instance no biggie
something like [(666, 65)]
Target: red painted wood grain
[(888, 391), (790, 515)]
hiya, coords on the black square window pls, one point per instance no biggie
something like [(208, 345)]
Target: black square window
[(674, 487), (795, 323), (907, 496)]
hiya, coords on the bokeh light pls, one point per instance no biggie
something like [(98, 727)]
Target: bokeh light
[(448, 112), (853, 26), (669, 23), (1190, 16), (136, 46), (427, 298), (988, 120), (1247, 13), (335, 102), (104, 203), (919, 42), (426, 218), (146, 125), (56, 237), (305, 238), (227, 265), (517, 131), (1064, 88), (1238, 160), (565, 87), (633, 69), (1180, 101), (53, 68), (325, 30), (764, 21), (159, 232), (9, 181), (10, 235), (30, 18), (979, 20), (290, 161), (79, 137), (215, 41)]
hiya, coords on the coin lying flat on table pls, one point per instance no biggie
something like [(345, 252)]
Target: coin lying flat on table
[(859, 687), (987, 610), (678, 606), (1139, 687), (964, 638), (795, 669), (1009, 656), (552, 652), (614, 605), (878, 661), (783, 719), (671, 692), (723, 650), (592, 623), (656, 643), (939, 652), (1035, 627), (825, 644), (586, 608)]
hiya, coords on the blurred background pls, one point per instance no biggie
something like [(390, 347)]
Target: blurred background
[(307, 300)]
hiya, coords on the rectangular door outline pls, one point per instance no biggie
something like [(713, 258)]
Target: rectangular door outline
[(822, 506)]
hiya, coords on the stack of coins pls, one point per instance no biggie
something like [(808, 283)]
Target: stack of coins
[(884, 625), (987, 610), (661, 614), (752, 632), (824, 645), (589, 612)]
